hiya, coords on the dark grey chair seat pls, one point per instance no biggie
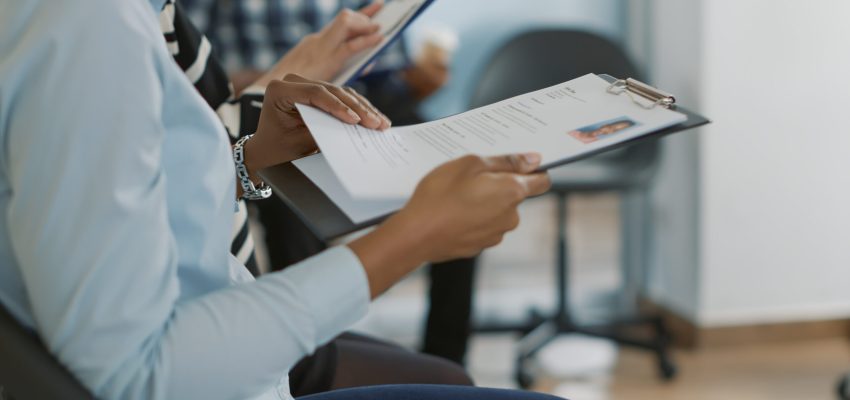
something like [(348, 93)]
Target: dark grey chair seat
[(28, 371), (543, 58)]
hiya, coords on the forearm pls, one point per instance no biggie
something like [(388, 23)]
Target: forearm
[(298, 60), (300, 309), (391, 252), (238, 341), (259, 81)]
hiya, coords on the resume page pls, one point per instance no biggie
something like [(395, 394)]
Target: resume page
[(560, 122)]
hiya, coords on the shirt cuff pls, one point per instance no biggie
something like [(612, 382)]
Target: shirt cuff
[(335, 289), (254, 90)]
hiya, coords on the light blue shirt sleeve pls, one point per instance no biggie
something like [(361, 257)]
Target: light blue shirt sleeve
[(105, 223)]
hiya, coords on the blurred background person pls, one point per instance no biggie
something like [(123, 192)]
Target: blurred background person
[(255, 37)]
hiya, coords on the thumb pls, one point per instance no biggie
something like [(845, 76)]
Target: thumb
[(372, 8), (350, 24), (516, 163)]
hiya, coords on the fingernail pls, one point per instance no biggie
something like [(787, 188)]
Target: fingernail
[(374, 117), (531, 158), (354, 115)]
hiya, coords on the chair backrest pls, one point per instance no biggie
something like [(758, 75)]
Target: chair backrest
[(28, 371), (542, 58)]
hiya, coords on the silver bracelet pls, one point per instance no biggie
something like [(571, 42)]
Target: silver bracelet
[(249, 190)]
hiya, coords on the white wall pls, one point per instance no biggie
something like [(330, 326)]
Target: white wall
[(776, 163), (665, 38), (769, 180)]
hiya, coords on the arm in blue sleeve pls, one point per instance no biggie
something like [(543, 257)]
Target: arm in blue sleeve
[(90, 228)]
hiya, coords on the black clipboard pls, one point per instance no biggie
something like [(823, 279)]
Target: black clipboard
[(328, 222)]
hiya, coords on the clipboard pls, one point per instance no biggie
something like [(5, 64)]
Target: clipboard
[(359, 71), (328, 222)]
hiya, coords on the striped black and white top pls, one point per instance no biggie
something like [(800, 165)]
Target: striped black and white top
[(193, 53)]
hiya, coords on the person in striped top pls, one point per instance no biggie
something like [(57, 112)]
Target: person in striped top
[(350, 360), (252, 37), (193, 53)]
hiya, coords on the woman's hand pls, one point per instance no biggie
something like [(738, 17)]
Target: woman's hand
[(281, 134), (322, 55), (458, 210), (467, 205)]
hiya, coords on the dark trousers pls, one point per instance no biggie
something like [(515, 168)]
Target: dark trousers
[(427, 392), (353, 360), (447, 329), (448, 326)]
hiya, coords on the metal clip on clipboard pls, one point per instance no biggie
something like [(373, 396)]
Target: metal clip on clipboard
[(637, 90)]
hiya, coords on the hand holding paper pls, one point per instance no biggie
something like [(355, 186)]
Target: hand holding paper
[(391, 19), (281, 134), (458, 210), (324, 54)]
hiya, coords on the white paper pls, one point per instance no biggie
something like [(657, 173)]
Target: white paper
[(558, 122), (392, 18), (317, 169)]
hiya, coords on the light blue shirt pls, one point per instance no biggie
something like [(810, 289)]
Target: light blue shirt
[(116, 209)]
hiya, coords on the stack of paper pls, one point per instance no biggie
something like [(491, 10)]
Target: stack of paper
[(370, 173)]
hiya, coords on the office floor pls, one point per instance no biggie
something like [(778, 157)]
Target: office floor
[(518, 275)]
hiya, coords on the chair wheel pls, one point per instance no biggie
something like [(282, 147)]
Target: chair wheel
[(524, 380), (667, 369), (844, 388)]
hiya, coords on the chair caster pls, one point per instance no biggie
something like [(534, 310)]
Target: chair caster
[(667, 369), (523, 379), (844, 388)]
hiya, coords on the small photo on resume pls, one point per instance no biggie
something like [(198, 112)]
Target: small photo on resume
[(602, 130)]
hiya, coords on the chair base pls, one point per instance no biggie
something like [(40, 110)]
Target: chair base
[(540, 331)]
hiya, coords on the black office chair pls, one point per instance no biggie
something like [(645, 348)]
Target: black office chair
[(844, 388), (539, 59), (28, 371)]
